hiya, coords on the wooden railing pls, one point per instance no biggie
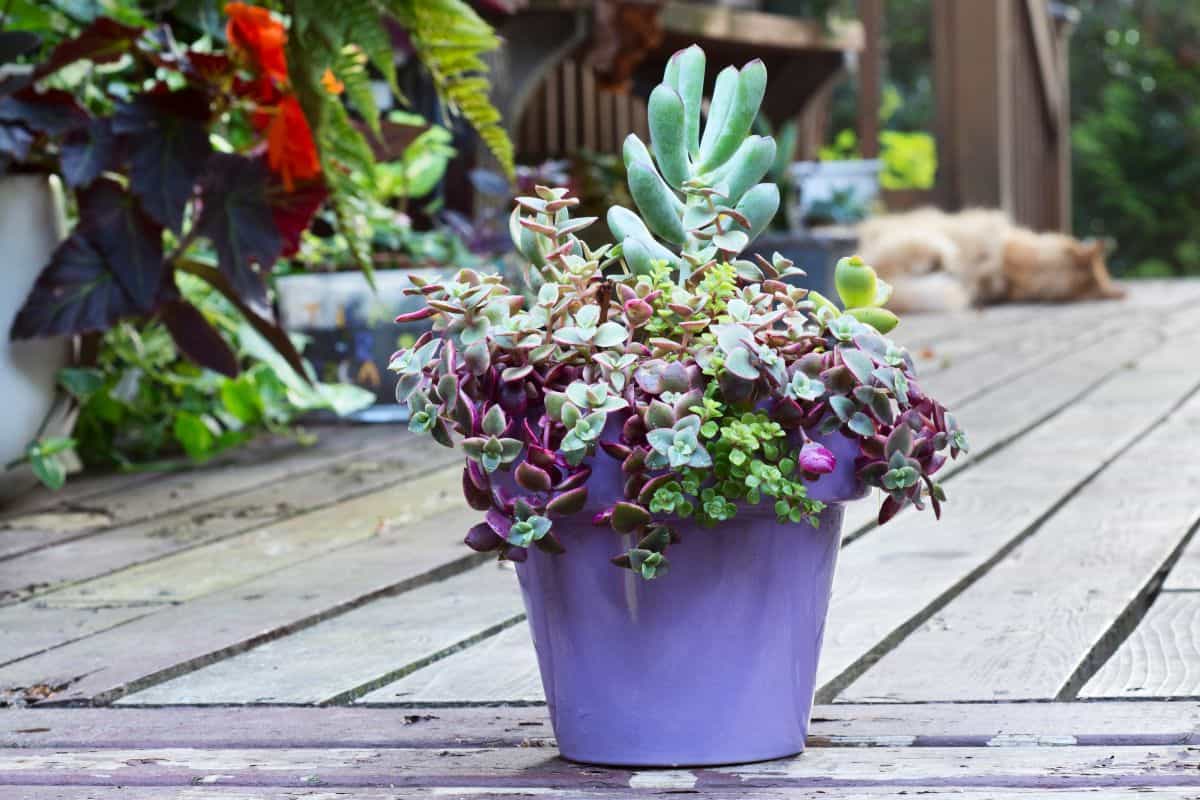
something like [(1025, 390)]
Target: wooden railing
[(1003, 125)]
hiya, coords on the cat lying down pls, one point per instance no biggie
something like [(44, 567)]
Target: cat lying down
[(943, 262)]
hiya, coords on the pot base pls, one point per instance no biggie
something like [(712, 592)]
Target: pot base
[(713, 663)]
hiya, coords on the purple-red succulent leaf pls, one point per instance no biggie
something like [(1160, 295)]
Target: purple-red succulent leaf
[(532, 478), (568, 502), (483, 538), (628, 517)]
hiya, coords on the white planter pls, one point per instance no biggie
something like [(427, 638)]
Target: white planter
[(351, 328), (31, 226), (821, 181)]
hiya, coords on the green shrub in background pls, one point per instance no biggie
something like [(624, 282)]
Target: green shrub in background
[(1135, 83), (145, 405), (909, 158)]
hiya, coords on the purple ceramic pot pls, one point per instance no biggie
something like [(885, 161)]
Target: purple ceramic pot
[(713, 663)]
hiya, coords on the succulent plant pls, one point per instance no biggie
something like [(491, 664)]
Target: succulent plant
[(705, 376)]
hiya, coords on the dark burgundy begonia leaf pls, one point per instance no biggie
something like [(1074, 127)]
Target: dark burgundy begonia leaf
[(294, 211), (129, 240), (110, 267), (237, 218), (169, 148), (102, 41), (15, 141), (75, 293), (197, 339), (87, 152), (52, 112)]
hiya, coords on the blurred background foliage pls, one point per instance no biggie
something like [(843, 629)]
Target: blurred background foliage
[(1135, 107), (1135, 97)]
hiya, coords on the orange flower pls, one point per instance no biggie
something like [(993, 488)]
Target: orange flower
[(331, 83), (291, 152), (259, 38)]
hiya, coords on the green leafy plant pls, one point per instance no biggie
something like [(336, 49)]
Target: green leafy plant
[(1135, 108), (710, 380), (144, 404), (449, 39), (909, 158)]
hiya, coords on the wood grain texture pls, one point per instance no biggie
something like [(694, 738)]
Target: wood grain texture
[(189, 573), (1094, 724), (343, 477), (133, 500), (1112, 768), (1161, 657), (508, 793), (1039, 617), (895, 578), (361, 648), (1185, 575), (1000, 417), (502, 668), (30, 628), (867, 588), (180, 638)]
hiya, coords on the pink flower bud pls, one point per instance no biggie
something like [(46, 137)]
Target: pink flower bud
[(816, 459), (638, 312)]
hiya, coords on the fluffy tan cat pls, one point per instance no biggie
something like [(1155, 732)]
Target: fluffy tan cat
[(938, 261)]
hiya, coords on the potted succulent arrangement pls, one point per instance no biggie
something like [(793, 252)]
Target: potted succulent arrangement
[(661, 394)]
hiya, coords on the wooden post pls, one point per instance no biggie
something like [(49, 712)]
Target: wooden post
[(972, 42), (870, 77), (1063, 28)]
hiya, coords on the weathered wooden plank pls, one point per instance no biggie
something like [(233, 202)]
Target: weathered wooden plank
[(1112, 768), (342, 477), (356, 651), (1002, 415), (1161, 657), (894, 579), (31, 628), (41, 624), (881, 587), (503, 668), (177, 639), (1094, 724), (189, 573), (1185, 575), (648, 786), (1043, 618), (255, 465)]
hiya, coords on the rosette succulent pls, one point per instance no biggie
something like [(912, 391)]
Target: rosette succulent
[(707, 377)]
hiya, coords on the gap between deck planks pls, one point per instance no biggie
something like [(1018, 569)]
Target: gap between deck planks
[(1161, 657), (1111, 767), (1039, 623), (642, 786), (929, 562), (1003, 415), (104, 603), (133, 500), (1092, 724), (468, 651), (177, 639), (211, 684), (342, 477), (345, 657)]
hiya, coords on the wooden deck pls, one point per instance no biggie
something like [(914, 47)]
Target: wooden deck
[(305, 623)]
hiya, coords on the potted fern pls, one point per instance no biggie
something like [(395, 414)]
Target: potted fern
[(664, 436)]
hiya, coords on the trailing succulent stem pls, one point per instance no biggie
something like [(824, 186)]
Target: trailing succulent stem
[(710, 378)]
